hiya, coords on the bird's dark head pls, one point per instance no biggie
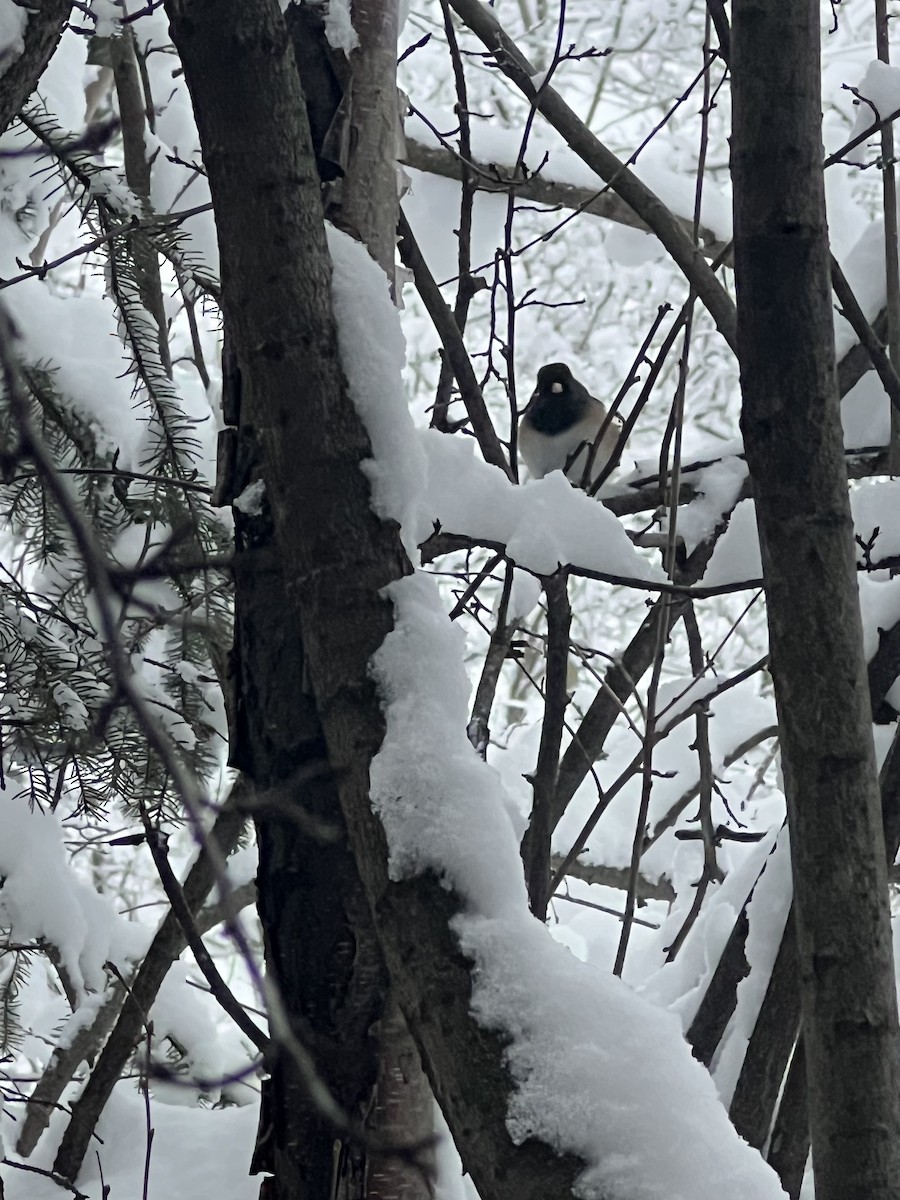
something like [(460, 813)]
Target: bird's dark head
[(553, 379), (559, 400)]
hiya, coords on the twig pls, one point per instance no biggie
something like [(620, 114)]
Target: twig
[(466, 285), (666, 821), (448, 331), (603, 908), (484, 24), (711, 872), (180, 907), (57, 1179), (150, 224), (478, 730), (474, 584), (535, 847), (148, 1120), (117, 473), (887, 370), (548, 193), (651, 735)]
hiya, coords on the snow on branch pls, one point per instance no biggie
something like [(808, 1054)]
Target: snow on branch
[(570, 1028)]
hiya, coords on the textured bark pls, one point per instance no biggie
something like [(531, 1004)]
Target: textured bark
[(402, 1115), (320, 945), (789, 1146), (794, 446), (769, 1049), (535, 848), (336, 555), (319, 942), (402, 1109), (369, 193), (19, 78), (720, 998)]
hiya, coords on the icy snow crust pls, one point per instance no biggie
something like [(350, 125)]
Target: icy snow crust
[(601, 1072)]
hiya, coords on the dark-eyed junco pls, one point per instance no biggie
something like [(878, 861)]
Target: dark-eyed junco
[(560, 425)]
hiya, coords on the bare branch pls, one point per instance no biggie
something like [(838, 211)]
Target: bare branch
[(484, 24)]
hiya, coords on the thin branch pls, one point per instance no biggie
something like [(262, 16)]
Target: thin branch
[(478, 730), (535, 847), (182, 910), (484, 24), (466, 285), (617, 877), (454, 347), (537, 188), (887, 370), (189, 485), (153, 224), (712, 872), (167, 945), (58, 1179)]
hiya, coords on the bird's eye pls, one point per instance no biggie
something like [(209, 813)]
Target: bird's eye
[(556, 388)]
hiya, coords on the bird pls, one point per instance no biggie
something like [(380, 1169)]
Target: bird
[(560, 425)]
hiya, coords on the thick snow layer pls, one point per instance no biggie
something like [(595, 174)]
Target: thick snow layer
[(718, 487), (874, 507), (879, 95), (736, 556), (599, 1072), (195, 1152), (339, 26), (543, 523), (875, 504), (41, 897), (425, 479), (681, 985), (767, 913)]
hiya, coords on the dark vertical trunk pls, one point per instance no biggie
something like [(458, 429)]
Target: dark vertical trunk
[(367, 205), (320, 944), (19, 77), (794, 445), (337, 557)]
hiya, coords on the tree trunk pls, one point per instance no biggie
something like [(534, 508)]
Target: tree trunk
[(19, 78), (336, 555), (320, 944), (402, 1111), (794, 445)]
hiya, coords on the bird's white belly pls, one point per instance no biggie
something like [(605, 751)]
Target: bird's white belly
[(543, 454)]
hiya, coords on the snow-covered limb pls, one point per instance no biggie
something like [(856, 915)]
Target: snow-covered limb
[(443, 811), (556, 188)]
